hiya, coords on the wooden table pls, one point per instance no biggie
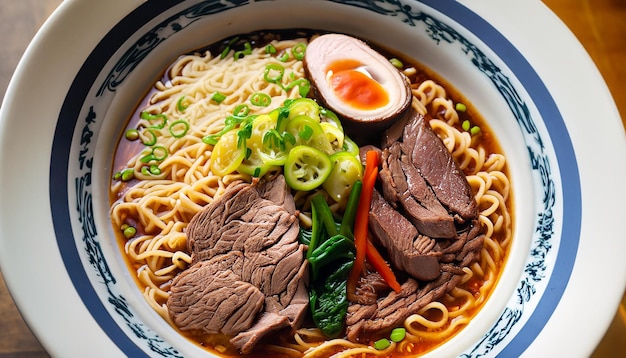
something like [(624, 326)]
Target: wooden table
[(600, 25)]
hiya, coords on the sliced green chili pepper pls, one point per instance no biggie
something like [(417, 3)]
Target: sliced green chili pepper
[(347, 169), (306, 168)]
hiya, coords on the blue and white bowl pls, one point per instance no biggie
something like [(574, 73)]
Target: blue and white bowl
[(89, 65)]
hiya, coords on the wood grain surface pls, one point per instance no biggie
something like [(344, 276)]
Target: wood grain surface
[(600, 25)]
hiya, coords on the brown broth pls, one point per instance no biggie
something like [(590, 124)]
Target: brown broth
[(127, 149)]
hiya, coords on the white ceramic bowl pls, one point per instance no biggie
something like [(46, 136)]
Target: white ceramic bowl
[(90, 64)]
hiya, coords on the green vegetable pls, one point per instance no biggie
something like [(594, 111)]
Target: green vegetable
[(331, 257), (128, 231), (270, 49), (466, 125), (397, 334), (329, 302), (161, 119), (349, 214), (179, 128), (307, 131), (298, 51), (347, 169), (336, 248), (396, 63), (382, 344), (475, 130), (218, 97), (306, 168), (260, 99), (460, 107), (180, 106), (132, 134)]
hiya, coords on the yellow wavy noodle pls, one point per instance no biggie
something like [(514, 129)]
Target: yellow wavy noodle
[(163, 206)]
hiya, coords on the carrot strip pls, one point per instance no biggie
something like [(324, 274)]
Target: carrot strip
[(374, 257), (362, 220)]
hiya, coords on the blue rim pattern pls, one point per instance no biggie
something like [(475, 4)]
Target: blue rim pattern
[(76, 102)]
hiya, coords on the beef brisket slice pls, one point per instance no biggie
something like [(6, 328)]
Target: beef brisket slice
[(437, 166), (399, 237), (212, 299), (403, 184), (248, 270)]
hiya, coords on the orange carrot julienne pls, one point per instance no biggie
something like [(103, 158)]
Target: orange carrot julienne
[(374, 257), (361, 221)]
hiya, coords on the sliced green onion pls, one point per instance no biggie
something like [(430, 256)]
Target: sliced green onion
[(218, 97), (162, 118), (306, 133), (127, 174), (155, 170), (211, 139), (284, 57), (246, 51), (149, 137), (382, 343), (180, 132), (270, 49), (396, 63), (226, 50), (475, 130), (460, 107), (158, 153), (273, 73), (303, 84), (241, 110), (244, 133), (260, 99), (180, 106), (397, 334), (132, 134), (298, 51), (466, 125)]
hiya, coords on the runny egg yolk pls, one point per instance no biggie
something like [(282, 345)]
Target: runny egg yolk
[(354, 87)]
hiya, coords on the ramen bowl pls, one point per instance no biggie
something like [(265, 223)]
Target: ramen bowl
[(70, 101)]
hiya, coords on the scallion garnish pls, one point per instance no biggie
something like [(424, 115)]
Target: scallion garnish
[(161, 118), (270, 49), (396, 63), (158, 153), (273, 73), (218, 97), (298, 51), (180, 106), (149, 137), (226, 50), (260, 99), (179, 128)]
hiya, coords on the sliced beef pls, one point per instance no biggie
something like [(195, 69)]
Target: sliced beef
[(402, 183), (222, 304), (401, 239), (246, 245), (436, 165)]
